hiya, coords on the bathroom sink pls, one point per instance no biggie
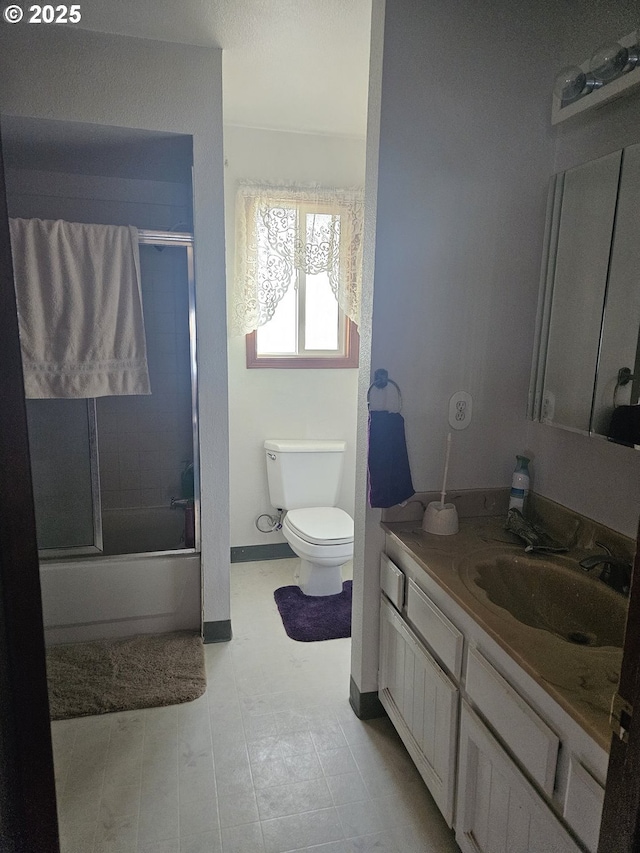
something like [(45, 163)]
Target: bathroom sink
[(549, 593)]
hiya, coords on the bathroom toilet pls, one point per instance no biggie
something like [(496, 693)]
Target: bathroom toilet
[(304, 479)]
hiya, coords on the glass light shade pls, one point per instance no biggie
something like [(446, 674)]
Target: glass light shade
[(570, 83), (609, 62)]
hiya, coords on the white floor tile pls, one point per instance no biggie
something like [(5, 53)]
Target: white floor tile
[(77, 838), (270, 760), (295, 798), (198, 816), (237, 804), (208, 843), (360, 818), (268, 772), (335, 762), (347, 788), (242, 839), (161, 847), (305, 830), (114, 831), (197, 786), (120, 800), (302, 767), (381, 842), (331, 847)]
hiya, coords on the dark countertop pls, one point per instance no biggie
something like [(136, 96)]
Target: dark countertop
[(580, 678)]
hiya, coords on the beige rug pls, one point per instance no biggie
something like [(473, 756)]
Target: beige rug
[(125, 674)]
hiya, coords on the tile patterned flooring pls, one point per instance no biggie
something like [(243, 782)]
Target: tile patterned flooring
[(270, 759)]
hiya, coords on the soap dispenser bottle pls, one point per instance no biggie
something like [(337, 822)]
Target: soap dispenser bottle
[(519, 484)]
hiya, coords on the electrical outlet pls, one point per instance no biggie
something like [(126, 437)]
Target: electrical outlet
[(460, 408)]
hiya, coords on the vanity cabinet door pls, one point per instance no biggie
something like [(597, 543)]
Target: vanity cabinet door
[(422, 703), (497, 809), (583, 804)]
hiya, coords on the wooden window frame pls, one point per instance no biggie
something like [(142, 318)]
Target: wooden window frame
[(308, 360), (305, 362)]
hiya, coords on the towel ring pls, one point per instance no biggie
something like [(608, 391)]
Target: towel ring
[(625, 376), (380, 381)]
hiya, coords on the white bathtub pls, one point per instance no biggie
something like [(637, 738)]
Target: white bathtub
[(95, 597), (121, 593), (99, 597)]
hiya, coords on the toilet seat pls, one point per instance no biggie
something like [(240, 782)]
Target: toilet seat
[(321, 525)]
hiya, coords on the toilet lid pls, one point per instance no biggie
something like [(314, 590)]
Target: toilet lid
[(321, 524)]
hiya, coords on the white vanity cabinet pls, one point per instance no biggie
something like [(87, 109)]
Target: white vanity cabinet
[(422, 702), (583, 804), (525, 735), (510, 771), (498, 810)]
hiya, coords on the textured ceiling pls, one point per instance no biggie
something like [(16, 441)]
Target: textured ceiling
[(288, 64)]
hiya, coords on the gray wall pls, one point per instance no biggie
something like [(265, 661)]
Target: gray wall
[(78, 76), (465, 153)]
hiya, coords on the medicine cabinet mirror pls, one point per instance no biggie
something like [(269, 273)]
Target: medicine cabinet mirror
[(586, 366)]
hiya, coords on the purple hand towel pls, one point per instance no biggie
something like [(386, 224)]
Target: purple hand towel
[(625, 425), (389, 473)]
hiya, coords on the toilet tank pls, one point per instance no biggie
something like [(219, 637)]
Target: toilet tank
[(303, 473)]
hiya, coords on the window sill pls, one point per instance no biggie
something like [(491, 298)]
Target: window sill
[(296, 362)]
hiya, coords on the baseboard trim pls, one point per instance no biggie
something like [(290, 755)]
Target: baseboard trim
[(366, 706), (217, 632), (249, 553)]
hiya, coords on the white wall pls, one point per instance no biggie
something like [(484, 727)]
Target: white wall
[(368, 534), (465, 154), (283, 403), (74, 75)]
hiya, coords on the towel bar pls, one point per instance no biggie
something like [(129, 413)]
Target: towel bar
[(380, 381)]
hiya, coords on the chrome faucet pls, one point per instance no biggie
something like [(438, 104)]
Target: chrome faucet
[(616, 571)]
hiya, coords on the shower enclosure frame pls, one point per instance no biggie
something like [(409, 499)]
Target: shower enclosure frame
[(159, 239), (184, 239)]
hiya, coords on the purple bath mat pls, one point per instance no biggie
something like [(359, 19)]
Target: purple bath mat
[(309, 618)]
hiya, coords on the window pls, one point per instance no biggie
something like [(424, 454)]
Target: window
[(298, 276)]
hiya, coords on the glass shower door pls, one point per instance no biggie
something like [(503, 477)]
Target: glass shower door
[(64, 464)]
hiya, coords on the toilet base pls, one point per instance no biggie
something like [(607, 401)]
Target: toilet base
[(319, 580)]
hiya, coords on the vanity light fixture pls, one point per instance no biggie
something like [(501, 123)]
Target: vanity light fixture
[(612, 70)]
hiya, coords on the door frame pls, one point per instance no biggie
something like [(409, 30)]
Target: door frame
[(28, 819), (620, 827)]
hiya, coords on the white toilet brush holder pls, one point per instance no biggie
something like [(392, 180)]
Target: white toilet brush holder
[(442, 518)]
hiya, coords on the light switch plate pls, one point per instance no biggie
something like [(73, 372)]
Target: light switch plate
[(460, 408)]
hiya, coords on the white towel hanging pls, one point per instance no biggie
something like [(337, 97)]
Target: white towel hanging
[(79, 309)]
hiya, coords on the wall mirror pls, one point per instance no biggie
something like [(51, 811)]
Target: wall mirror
[(586, 365)]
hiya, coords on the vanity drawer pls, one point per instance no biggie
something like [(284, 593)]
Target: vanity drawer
[(392, 581), (526, 735), (583, 804), (438, 632)]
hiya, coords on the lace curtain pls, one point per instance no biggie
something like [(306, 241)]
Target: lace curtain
[(280, 230)]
